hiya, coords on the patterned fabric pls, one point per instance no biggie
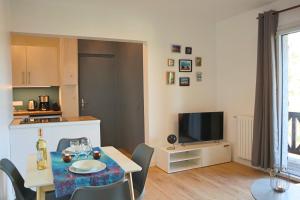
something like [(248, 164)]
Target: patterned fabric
[(66, 182)]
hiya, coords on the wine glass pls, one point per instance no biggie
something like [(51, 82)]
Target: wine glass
[(75, 146), (86, 147)]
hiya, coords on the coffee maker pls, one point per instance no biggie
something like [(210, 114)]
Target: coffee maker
[(44, 103)]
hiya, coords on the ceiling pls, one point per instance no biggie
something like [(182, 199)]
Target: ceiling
[(228, 8)]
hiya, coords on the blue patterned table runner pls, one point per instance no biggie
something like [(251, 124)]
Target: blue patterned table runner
[(66, 182)]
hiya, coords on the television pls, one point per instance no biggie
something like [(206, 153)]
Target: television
[(199, 127)]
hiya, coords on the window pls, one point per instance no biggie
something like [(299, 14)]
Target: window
[(289, 48)]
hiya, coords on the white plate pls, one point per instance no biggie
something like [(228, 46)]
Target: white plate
[(70, 150), (87, 166)]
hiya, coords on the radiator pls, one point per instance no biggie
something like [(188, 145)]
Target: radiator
[(245, 136)]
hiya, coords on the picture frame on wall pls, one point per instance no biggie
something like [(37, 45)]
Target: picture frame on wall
[(170, 78), (185, 65), (199, 76), (171, 62), (188, 50), (176, 48), (184, 81), (198, 61)]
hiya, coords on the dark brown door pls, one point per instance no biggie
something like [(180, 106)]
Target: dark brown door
[(111, 89), (97, 93)]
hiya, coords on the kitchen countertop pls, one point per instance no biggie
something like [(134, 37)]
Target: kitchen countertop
[(36, 112), (16, 123)]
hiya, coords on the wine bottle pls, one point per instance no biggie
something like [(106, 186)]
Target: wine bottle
[(41, 147)]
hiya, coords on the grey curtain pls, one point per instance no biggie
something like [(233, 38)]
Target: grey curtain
[(267, 114)]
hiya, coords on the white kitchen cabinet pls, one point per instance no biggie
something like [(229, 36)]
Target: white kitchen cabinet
[(35, 66), (19, 65), (42, 66)]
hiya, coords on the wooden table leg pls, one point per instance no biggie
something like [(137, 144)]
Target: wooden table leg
[(40, 193), (131, 186)]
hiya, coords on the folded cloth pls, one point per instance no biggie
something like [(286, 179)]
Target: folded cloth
[(66, 182)]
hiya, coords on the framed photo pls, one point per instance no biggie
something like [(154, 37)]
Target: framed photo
[(184, 81), (176, 48), (188, 50), (199, 76), (198, 61), (185, 65), (171, 62), (170, 78)]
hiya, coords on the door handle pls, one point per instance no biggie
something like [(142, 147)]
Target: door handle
[(29, 78), (23, 77), (83, 103)]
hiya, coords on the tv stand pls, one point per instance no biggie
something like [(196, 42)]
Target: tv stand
[(192, 156)]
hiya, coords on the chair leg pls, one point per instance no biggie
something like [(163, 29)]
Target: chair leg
[(130, 186)]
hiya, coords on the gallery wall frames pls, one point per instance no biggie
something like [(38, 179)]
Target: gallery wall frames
[(199, 76), (170, 78), (176, 48), (188, 50), (171, 62), (184, 81), (198, 61), (185, 65)]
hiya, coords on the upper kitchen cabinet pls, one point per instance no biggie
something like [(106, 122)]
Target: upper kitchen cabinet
[(19, 65), (35, 60), (68, 61), (35, 66), (42, 66)]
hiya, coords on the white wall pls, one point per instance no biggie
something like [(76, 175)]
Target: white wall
[(236, 63), (5, 89), (157, 23)]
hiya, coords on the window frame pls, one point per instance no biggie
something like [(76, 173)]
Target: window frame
[(284, 85)]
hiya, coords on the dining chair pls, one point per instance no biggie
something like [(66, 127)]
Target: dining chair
[(21, 192), (142, 156), (115, 191), (65, 143)]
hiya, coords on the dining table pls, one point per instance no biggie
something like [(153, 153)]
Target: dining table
[(43, 180), (261, 190)]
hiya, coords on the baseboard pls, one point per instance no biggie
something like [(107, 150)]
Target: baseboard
[(243, 162)]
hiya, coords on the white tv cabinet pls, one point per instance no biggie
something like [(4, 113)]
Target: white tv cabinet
[(193, 156)]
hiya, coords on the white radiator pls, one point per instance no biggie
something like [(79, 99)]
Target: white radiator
[(245, 136)]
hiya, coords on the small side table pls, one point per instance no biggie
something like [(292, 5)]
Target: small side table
[(261, 190)]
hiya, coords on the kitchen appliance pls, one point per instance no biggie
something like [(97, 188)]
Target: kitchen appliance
[(55, 107), (44, 102), (32, 105)]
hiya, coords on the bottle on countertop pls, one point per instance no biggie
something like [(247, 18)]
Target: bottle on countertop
[(41, 147)]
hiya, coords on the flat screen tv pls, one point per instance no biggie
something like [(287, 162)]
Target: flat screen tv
[(197, 127)]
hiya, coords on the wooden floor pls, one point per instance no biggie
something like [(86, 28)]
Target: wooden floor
[(225, 182)]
